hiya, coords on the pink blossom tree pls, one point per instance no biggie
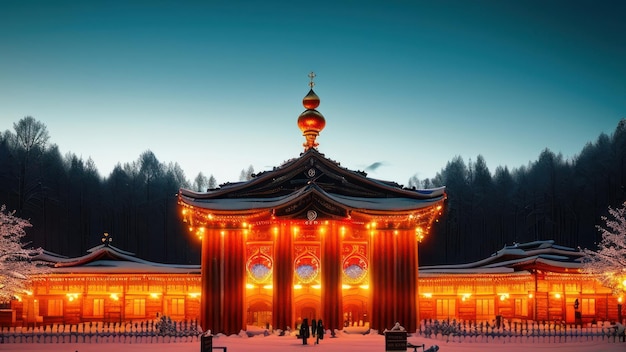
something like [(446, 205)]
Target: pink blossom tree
[(17, 262), (608, 262)]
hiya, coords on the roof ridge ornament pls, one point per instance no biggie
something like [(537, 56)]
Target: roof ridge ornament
[(106, 239), (311, 122)]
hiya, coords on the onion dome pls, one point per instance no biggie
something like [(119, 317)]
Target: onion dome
[(311, 100), (311, 122)]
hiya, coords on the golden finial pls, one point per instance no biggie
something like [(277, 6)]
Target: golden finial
[(311, 122)]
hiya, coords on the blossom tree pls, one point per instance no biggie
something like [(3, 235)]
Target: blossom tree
[(17, 263), (608, 263)]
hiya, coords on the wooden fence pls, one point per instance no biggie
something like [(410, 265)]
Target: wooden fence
[(161, 331), (520, 332), (167, 331)]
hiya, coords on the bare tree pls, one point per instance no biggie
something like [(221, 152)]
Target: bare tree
[(28, 143), (30, 135)]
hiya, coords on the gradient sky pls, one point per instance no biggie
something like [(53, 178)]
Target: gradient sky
[(218, 85)]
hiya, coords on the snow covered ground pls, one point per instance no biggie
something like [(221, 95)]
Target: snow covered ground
[(344, 342)]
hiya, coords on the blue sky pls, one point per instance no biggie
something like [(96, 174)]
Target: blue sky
[(218, 85)]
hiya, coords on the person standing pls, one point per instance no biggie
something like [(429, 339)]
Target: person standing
[(320, 331), (313, 327), (304, 331)]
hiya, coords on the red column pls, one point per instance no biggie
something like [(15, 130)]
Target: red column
[(332, 304), (382, 280), (394, 279), (233, 299), (406, 293), (204, 278), (210, 303), (283, 279)]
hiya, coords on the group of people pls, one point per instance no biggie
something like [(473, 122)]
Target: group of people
[(316, 329)]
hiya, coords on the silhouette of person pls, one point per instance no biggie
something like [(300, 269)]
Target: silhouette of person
[(313, 327), (304, 331), (320, 331)]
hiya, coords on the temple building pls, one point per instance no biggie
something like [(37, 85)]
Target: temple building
[(310, 239), (107, 284), (535, 281)]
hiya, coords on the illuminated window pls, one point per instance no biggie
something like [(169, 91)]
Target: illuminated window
[(98, 307), (178, 306), (96, 287), (446, 308), (521, 307), (176, 287), (55, 308), (139, 307), (137, 287), (485, 309), (588, 306)]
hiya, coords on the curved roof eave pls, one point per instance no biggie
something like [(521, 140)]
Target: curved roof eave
[(361, 204), (106, 253), (302, 161), (109, 267), (436, 272), (511, 255)]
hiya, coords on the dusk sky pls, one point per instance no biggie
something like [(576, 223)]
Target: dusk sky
[(218, 85)]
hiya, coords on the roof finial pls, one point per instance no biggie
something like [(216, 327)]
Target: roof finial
[(311, 122), (106, 239)]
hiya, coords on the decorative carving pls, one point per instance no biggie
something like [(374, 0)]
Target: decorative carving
[(260, 264), (307, 264), (355, 264)]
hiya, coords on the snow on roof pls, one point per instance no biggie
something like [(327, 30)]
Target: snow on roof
[(51, 257), (519, 256), (126, 267), (383, 204), (434, 272), (99, 247), (286, 184), (109, 259)]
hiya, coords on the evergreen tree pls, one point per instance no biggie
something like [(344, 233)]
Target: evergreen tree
[(200, 183), (212, 182), (608, 263), (246, 175)]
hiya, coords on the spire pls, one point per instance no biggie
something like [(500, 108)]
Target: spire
[(311, 122)]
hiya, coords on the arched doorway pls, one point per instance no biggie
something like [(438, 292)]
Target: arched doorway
[(259, 314), (306, 309), (355, 314)]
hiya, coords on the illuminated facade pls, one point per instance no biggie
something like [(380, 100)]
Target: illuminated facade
[(537, 281), (107, 284), (309, 239)]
